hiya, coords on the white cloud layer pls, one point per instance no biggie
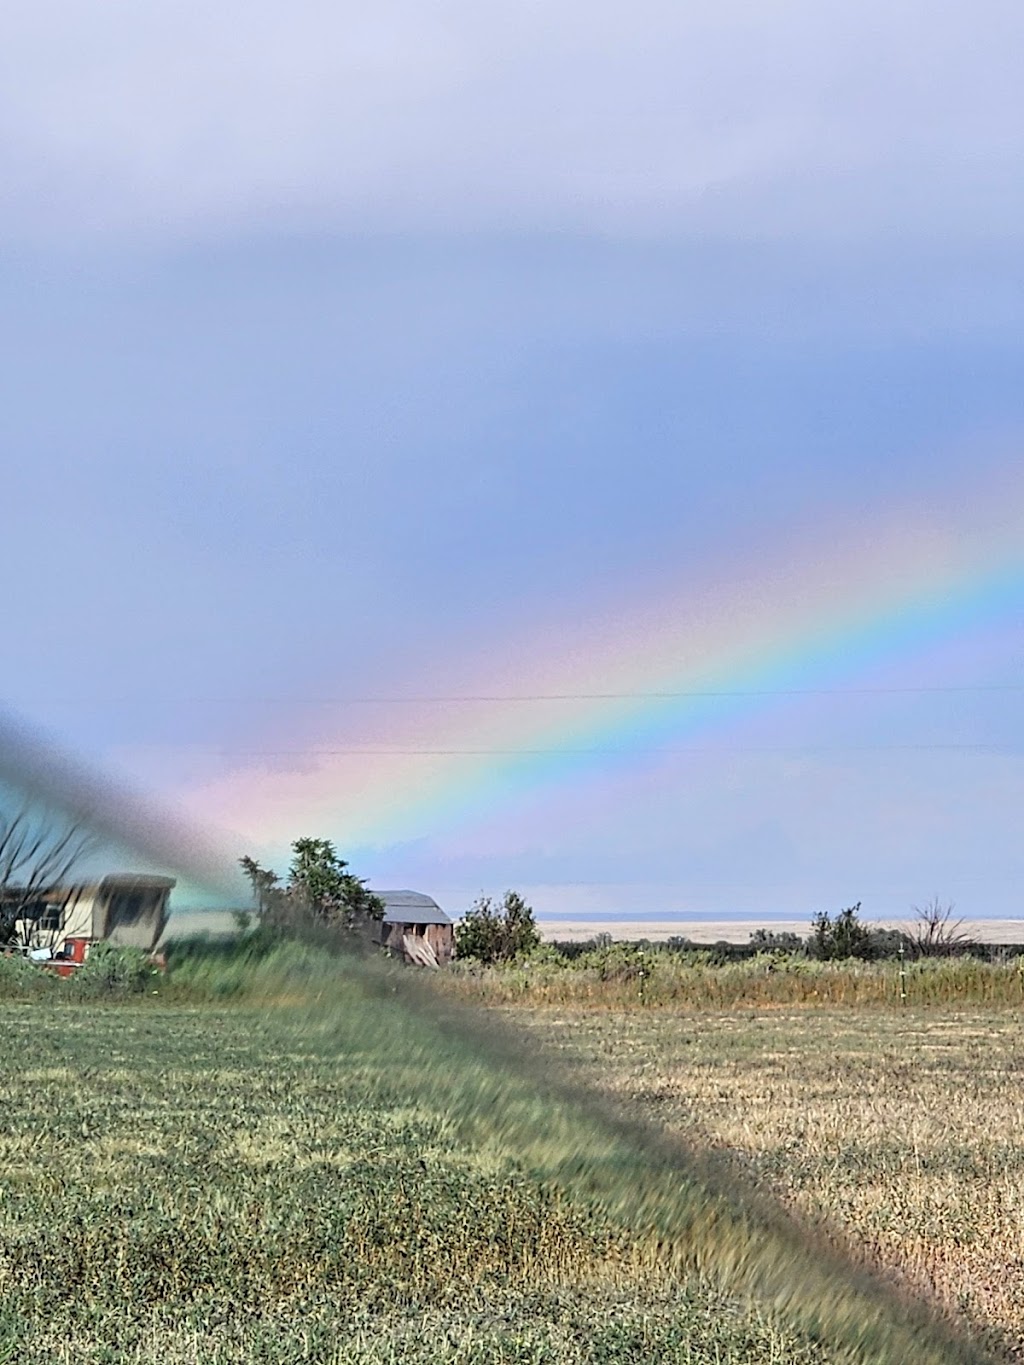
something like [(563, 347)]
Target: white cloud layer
[(764, 118)]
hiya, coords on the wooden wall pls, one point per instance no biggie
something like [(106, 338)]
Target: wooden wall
[(439, 937)]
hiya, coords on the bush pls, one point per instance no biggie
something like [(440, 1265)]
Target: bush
[(21, 979), (617, 962), (679, 943), (938, 934), (771, 941), (497, 933), (887, 943), (547, 955), (842, 937), (111, 970)]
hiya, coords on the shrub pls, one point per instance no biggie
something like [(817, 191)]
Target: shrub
[(771, 941), (21, 979), (616, 962), (112, 970), (547, 955), (497, 933), (887, 943), (938, 934), (844, 936), (679, 943)]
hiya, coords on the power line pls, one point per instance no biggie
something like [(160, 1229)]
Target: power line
[(529, 697), (581, 753)]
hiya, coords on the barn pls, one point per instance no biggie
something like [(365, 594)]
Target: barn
[(415, 928)]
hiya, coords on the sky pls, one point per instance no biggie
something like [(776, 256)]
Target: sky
[(566, 447)]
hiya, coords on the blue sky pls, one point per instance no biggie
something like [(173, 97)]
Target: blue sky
[(346, 349)]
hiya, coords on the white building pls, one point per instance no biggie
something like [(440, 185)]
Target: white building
[(128, 908)]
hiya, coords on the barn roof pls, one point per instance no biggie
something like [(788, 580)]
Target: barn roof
[(411, 907)]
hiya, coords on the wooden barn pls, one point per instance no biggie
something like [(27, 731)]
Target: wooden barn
[(416, 929)]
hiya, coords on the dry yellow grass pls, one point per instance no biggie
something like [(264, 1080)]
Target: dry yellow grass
[(905, 1130)]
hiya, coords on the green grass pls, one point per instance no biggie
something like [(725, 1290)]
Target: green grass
[(622, 978), (334, 1166)]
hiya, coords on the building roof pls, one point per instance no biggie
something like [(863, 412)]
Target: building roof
[(411, 907), (113, 881), (141, 880)]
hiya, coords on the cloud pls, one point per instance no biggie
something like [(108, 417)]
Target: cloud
[(783, 117)]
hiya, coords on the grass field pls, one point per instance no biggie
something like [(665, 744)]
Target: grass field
[(903, 1128), (330, 1167)]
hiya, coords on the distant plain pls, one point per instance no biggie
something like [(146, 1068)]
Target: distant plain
[(186, 922)]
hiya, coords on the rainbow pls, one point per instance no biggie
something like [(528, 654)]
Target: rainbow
[(665, 672)]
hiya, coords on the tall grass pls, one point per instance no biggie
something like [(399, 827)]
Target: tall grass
[(668, 980), (254, 967)]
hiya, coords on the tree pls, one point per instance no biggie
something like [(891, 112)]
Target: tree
[(38, 852), (844, 936), (318, 889), (497, 933), (937, 933), (317, 876), (265, 884)]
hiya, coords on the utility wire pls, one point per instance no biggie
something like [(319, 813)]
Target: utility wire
[(455, 698), (639, 750)]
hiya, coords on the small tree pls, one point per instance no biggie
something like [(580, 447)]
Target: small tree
[(937, 933), (842, 937), (265, 884), (497, 933), (318, 890), (317, 878)]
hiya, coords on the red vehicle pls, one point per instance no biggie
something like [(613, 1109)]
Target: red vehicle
[(72, 954)]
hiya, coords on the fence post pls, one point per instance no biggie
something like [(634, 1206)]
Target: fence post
[(903, 973)]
